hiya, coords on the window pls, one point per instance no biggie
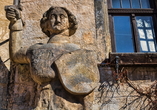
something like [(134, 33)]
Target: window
[(133, 25)]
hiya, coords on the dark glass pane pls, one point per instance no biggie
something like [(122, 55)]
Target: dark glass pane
[(135, 3), (146, 33), (125, 4), (123, 34), (145, 4), (116, 4)]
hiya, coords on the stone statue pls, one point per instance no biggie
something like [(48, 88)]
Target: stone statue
[(76, 68)]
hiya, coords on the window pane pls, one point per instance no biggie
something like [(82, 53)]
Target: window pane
[(135, 3), (146, 33), (149, 34), (116, 3), (139, 23), (151, 46), (123, 34), (125, 4), (145, 4), (144, 46), (141, 34)]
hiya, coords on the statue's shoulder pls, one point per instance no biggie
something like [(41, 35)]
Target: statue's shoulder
[(78, 71)]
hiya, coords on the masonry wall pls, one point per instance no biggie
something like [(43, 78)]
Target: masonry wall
[(4, 33), (4, 55), (93, 33)]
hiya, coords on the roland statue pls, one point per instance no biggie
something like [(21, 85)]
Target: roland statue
[(76, 68)]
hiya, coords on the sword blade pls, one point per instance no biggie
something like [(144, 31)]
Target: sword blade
[(16, 2)]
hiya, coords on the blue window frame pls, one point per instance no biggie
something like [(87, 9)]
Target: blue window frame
[(130, 4), (132, 25), (146, 33), (123, 34)]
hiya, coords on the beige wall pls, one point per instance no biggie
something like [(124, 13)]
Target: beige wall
[(4, 32)]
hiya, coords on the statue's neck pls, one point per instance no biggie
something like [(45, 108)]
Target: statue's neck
[(60, 38)]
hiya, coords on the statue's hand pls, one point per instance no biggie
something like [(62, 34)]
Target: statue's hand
[(12, 13)]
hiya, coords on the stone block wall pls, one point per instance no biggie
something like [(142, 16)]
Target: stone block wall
[(4, 79), (25, 94), (83, 10), (4, 33), (120, 95)]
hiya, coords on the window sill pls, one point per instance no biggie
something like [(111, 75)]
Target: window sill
[(143, 59)]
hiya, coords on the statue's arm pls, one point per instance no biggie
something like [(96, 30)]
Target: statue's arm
[(17, 53)]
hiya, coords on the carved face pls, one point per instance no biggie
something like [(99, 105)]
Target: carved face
[(58, 21)]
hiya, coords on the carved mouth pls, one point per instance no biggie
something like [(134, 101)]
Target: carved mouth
[(57, 27), (58, 24)]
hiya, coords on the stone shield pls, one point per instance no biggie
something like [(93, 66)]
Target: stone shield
[(41, 62), (78, 71)]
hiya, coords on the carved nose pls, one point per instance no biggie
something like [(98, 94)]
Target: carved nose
[(58, 20)]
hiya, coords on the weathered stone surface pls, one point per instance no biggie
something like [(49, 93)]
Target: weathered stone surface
[(41, 63), (4, 74), (24, 94), (103, 37), (58, 24), (32, 13), (22, 90), (114, 97), (78, 71), (4, 33), (42, 57)]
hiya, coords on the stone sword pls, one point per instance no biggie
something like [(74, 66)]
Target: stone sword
[(16, 3)]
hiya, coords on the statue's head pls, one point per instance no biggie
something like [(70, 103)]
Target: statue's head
[(56, 20)]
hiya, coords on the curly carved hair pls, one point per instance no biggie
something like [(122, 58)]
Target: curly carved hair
[(72, 21)]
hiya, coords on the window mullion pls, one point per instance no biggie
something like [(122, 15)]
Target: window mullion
[(146, 37), (130, 3), (155, 29), (121, 4), (109, 4), (135, 33), (140, 3), (153, 4), (112, 34)]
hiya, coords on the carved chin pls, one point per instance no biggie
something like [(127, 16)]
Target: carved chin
[(57, 28)]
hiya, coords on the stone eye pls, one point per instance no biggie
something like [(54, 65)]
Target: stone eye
[(53, 16), (62, 16)]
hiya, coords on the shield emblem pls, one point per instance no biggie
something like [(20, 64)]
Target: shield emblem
[(78, 71)]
